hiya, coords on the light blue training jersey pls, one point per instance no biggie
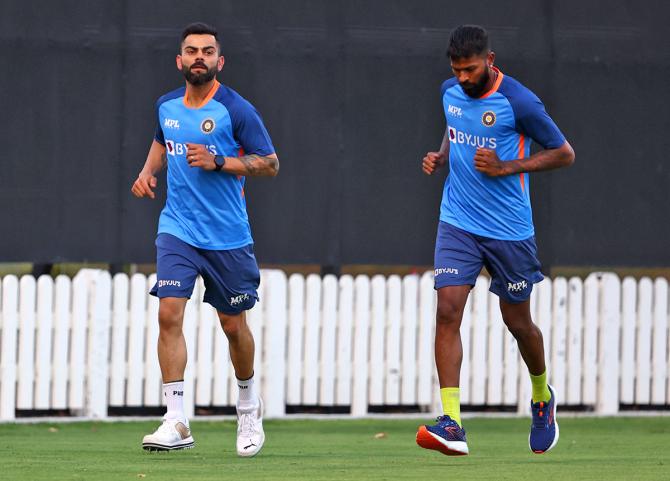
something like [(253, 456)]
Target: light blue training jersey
[(505, 119), (207, 209)]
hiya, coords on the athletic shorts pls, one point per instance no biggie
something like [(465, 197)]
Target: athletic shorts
[(231, 276), (460, 256)]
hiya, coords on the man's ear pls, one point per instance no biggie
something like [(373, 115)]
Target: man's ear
[(179, 64)]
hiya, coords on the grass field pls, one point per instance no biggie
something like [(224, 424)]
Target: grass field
[(589, 449)]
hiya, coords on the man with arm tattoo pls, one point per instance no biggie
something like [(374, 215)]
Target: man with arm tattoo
[(210, 138)]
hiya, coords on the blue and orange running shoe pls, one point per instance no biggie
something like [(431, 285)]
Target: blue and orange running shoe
[(544, 430), (446, 437)]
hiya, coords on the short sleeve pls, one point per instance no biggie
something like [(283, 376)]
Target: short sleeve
[(531, 118), (158, 135), (534, 121), (249, 130)]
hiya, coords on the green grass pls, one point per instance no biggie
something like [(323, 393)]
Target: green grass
[(589, 449)]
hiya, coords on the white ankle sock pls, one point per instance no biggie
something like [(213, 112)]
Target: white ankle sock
[(173, 393), (248, 399)]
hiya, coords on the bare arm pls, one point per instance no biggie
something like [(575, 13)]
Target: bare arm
[(258, 165), (435, 160), (146, 180), (197, 155), (487, 161)]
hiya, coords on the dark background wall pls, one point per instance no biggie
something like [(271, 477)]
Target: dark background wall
[(349, 91)]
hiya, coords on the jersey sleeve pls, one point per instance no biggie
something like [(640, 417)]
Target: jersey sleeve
[(158, 135), (533, 120), (447, 84), (249, 130)]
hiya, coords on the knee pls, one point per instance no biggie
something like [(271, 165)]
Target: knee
[(170, 316), (449, 314), (232, 326), (521, 329)]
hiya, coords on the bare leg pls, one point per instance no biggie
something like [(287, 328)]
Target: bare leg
[(448, 348), (241, 343), (171, 343), (528, 336)]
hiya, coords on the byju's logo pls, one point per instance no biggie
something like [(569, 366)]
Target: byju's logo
[(455, 111), (179, 148), (235, 300), (458, 137), (171, 123), (516, 286), (170, 282), (446, 270)]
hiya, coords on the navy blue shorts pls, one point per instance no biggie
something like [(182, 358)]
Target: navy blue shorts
[(231, 276), (460, 256)]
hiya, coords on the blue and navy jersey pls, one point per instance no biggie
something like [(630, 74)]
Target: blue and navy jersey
[(505, 119), (207, 209)]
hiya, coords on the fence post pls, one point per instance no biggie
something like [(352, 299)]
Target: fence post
[(10, 298), (608, 349), (98, 346), (275, 362)]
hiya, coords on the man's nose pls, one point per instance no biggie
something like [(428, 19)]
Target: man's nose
[(463, 77)]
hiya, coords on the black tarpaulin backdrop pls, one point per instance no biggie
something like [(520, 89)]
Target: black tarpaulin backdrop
[(350, 94)]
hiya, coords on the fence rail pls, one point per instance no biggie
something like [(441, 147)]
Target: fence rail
[(88, 344)]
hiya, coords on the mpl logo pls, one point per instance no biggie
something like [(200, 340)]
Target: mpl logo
[(516, 286), (459, 137), (171, 123), (455, 111), (235, 300)]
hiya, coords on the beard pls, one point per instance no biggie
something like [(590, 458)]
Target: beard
[(477, 89), (197, 79)]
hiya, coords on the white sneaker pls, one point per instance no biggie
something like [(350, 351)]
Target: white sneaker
[(250, 435), (171, 435)]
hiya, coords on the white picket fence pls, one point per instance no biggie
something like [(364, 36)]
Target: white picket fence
[(89, 343)]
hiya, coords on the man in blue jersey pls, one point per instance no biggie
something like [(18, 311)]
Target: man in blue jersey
[(486, 221), (211, 139)]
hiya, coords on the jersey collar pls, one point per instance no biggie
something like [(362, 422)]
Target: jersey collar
[(207, 98), (496, 85)]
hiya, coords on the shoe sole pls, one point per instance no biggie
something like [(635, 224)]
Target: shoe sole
[(428, 440), (555, 441), (154, 447)]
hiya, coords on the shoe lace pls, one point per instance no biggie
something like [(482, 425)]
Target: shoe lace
[(247, 424), (446, 420), (539, 410), (166, 427)]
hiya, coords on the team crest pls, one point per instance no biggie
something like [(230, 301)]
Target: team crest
[(207, 126), (489, 118)]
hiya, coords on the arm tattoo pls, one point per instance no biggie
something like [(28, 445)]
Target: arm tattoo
[(260, 165)]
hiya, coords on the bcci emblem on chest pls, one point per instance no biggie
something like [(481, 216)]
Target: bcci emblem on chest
[(489, 118), (207, 126)]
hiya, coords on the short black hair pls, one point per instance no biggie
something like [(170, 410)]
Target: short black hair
[(468, 40), (199, 28)]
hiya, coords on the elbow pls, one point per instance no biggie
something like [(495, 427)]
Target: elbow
[(568, 155), (274, 168)]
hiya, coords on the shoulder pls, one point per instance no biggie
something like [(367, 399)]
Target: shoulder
[(234, 102), (518, 95), (175, 94), (447, 84)]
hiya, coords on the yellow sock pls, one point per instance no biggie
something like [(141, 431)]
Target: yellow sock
[(451, 403), (540, 389)]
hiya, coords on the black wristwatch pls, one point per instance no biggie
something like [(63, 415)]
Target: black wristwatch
[(220, 161)]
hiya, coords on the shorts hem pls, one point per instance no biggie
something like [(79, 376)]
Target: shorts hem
[(162, 294), (453, 282)]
